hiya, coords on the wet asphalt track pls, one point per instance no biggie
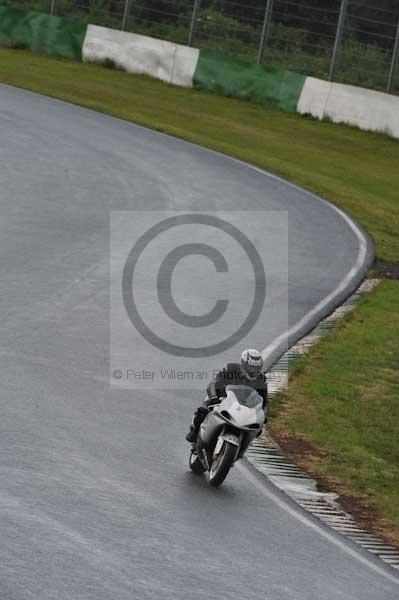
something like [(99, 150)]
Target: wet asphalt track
[(95, 498)]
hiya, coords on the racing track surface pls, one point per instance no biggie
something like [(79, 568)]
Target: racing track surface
[(95, 498)]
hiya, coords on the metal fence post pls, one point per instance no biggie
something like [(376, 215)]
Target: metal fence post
[(394, 62), (338, 37), (265, 30), (52, 7), (194, 17), (126, 13)]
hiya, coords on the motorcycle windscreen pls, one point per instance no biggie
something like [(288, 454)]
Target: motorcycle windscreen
[(245, 395)]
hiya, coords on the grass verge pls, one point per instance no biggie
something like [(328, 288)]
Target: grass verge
[(340, 414), (343, 397)]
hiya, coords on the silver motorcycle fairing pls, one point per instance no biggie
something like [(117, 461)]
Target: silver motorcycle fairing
[(210, 428), (234, 416), (242, 416)]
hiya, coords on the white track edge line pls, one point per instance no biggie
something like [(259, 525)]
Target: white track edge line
[(341, 286), (301, 516)]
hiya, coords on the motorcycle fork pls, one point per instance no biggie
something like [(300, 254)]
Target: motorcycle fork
[(240, 450), (244, 443), (203, 455)]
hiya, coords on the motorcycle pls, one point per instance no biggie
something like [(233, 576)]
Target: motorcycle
[(226, 432)]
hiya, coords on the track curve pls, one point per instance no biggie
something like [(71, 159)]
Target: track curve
[(95, 496)]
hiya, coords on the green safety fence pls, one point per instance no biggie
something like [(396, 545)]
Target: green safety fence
[(231, 77), (214, 72), (41, 33)]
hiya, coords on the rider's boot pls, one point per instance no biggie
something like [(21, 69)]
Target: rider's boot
[(198, 417), (191, 435)]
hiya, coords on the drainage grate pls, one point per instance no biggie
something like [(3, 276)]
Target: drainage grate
[(278, 375), (267, 457)]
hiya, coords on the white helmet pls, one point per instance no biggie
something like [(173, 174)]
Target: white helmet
[(252, 363)]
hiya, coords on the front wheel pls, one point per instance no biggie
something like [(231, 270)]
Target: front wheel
[(222, 463)]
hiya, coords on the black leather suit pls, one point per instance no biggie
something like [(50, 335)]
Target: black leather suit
[(232, 374)]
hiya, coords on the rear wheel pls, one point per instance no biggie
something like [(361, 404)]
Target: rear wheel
[(222, 463), (195, 464)]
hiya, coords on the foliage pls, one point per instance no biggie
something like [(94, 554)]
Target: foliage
[(235, 29)]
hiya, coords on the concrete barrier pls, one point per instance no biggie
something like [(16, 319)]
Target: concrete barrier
[(313, 98), (367, 109), (141, 54), (184, 66)]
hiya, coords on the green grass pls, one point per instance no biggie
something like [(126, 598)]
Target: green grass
[(289, 47), (356, 170), (343, 397)]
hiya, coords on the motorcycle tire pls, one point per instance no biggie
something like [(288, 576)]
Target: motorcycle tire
[(222, 464)]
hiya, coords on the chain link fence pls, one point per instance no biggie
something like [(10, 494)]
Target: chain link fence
[(348, 41)]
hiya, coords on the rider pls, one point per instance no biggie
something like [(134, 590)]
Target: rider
[(248, 372)]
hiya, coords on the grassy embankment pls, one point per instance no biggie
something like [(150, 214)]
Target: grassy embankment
[(340, 415), (343, 400)]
